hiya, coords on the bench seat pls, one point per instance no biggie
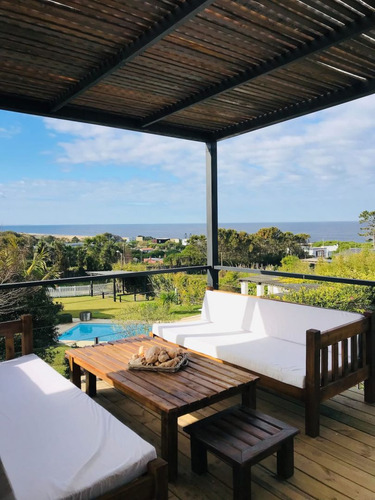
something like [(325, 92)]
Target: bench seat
[(56, 442), (269, 356)]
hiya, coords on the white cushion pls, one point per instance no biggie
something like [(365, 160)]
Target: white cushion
[(262, 335), (226, 309), (56, 442), (180, 333), (278, 359), (291, 321)]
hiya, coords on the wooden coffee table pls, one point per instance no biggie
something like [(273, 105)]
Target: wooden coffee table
[(202, 382)]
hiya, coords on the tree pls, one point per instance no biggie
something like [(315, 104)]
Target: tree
[(367, 223), (195, 253), (235, 247), (99, 252), (20, 262), (334, 295)]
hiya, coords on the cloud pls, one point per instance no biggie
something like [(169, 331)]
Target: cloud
[(318, 167), (95, 145), (322, 149), (9, 132)]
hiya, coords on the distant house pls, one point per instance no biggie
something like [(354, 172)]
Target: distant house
[(153, 260), (160, 240), (324, 252)]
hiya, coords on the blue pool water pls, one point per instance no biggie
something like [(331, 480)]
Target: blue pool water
[(104, 331)]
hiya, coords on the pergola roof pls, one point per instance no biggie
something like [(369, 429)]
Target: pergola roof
[(202, 70)]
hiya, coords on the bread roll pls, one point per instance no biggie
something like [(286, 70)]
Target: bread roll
[(151, 355)]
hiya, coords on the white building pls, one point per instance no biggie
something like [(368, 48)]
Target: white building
[(324, 252)]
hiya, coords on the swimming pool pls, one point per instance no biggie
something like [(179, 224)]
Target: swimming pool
[(103, 331)]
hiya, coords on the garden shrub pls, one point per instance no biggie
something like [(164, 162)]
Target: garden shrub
[(64, 318), (335, 296)]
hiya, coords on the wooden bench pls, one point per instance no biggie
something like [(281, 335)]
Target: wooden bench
[(34, 397), (242, 437)]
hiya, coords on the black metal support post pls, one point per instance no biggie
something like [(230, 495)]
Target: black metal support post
[(212, 214)]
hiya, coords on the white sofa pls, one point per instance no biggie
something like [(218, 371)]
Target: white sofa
[(58, 443), (268, 337)]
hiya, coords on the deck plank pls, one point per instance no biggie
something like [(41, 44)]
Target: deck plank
[(340, 464)]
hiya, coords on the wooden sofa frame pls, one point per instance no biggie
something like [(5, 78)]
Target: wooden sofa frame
[(331, 349), (153, 485)]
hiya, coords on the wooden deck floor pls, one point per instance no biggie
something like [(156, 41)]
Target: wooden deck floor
[(340, 464)]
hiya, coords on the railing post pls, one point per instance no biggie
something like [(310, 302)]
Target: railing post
[(212, 214)]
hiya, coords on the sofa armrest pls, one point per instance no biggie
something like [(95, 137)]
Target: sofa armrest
[(336, 360)]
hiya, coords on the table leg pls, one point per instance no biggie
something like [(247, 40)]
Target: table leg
[(285, 459), (249, 396), (90, 384), (169, 443), (75, 373)]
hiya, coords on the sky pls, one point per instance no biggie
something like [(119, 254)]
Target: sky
[(316, 168)]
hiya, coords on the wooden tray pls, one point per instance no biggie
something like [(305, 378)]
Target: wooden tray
[(184, 361)]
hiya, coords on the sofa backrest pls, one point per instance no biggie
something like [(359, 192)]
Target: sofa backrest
[(288, 321), (271, 318), (226, 309)]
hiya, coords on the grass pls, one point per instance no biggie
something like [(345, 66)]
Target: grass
[(108, 309), (55, 356), (100, 308)]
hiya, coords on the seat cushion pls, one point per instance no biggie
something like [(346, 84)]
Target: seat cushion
[(279, 359), (56, 442)]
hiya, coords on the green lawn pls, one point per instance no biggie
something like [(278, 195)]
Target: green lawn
[(55, 356), (101, 308), (108, 309)]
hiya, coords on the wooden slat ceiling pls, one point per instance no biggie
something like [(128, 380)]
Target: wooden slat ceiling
[(202, 70)]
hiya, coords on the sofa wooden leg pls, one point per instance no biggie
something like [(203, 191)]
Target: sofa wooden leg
[(312, 419), (370, 390), (312, 402)]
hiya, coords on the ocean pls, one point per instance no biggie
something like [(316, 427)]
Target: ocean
[(341, 231)]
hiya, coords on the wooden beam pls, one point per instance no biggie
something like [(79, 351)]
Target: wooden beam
[(181, 14), (361, 25), (98, 117), (333, 98)]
